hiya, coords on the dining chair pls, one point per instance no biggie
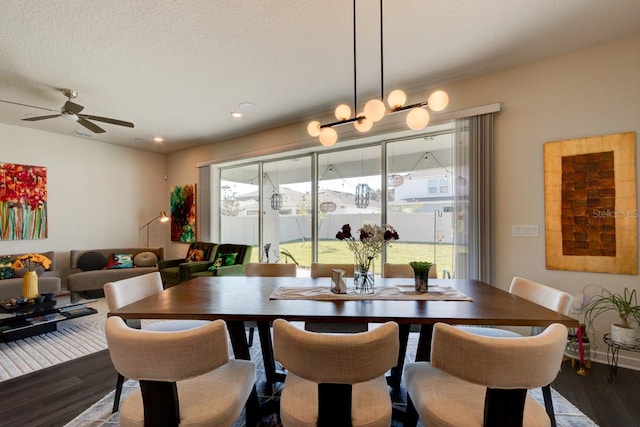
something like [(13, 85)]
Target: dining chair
[(546, 296), (335, 379), (326, 270), (254, 269), (185, 377), (390, 270), (126, 291), (488, 389)]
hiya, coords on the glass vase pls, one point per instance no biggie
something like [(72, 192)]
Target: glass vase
[(30, 285), (364, 276)]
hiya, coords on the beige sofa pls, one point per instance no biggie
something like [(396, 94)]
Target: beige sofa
[(48, 281), (88, 272)]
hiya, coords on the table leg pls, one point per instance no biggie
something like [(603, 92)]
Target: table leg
[(270, 372), (423, 352), (396, 373), (241, 351)]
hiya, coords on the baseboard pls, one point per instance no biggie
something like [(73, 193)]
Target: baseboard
[(625, 359)]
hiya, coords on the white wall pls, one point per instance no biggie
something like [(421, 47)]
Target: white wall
[(98, 195), (591, 92)]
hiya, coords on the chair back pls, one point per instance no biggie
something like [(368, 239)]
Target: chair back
[(336, 358), (166, 356), (546, 296), (324, 270), (390, 270), (499, 363), (270, 270), (126, 291), (243, 252)]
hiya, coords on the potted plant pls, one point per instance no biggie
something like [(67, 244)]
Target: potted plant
[(421, 274), (625, 304)]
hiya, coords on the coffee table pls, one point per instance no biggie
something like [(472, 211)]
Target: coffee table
[(27, 320)]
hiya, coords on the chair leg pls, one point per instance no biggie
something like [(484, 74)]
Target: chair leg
[(250, 341), (548, 404), (116, 399), (411, 415)]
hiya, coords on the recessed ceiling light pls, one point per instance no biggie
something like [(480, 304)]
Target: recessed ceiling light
[(236, 114), (247, 106), (157, 139)]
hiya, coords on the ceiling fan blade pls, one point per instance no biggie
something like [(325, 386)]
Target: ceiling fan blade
[(35, 119), (72, 107), (91, 126), (27, 105), (108, 120)]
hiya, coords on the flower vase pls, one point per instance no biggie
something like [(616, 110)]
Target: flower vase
[(30, 285), (363, 276), (421, 275)]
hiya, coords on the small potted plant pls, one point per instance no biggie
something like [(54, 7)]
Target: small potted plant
[(421, 274), (625, 304)]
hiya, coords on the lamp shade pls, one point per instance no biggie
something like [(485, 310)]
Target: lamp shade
[(396, 99), (313, 128), (343, 112), (374, 110), (438, 100), (418, 118), (363, 124), (328, 136)]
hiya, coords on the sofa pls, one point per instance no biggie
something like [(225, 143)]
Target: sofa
[(92, 268), (48, 280), (229, 260)]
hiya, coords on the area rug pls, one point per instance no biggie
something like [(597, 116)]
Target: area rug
[(74, 338)]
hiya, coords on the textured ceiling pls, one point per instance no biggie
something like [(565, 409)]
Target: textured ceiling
[(178, 68)]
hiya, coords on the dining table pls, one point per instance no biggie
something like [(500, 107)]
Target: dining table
[(239, 299)]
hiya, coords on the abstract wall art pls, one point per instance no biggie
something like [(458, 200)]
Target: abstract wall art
[(590, 204), (23, 202), (183, 213)]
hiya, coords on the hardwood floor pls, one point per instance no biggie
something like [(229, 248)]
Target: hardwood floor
[(54, 396)]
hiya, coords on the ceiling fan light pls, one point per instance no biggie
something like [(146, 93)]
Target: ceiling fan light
[(438, 100), (328, 136), (374, 110), (70, 116), (343, 112), (313, 128), (418, 118), (363, 124), (396, 99)]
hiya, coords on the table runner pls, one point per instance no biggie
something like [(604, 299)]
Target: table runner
[(399, 293)]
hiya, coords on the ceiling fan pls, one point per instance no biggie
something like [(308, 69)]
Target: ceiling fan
[(71, 110)]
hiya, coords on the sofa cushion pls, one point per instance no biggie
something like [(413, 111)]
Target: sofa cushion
[(224, 260), (145, 259), (195, 255), (6, 270), (120, 261), (90, 261)]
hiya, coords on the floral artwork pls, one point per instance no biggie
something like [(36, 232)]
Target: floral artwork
[(23, 202), (183, 213)]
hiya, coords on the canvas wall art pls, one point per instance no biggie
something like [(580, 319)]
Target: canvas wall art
[(590, 204), (183, 213), (23, 202)]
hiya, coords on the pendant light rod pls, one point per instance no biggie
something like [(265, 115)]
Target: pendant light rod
[(355, 65), (381, 56)]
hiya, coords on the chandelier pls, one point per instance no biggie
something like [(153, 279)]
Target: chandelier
[(375, 109)]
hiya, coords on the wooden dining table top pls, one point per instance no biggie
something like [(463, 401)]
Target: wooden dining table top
[(234, 298)]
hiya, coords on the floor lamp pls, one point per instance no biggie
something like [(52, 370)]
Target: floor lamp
[(162, 217)]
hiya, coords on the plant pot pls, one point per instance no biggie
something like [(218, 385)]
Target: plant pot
[(622, 335)]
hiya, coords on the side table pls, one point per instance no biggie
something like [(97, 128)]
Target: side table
[(612, 354)]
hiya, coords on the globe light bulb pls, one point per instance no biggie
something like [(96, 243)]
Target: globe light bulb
[(328, 136), (396, 99), (374, 110), (438, 100), (418, 118), (314, 128), (343, 112), (364, 124)]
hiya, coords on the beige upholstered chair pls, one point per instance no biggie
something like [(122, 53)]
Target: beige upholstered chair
[(126, 291), (546, 296), (390, 270), (325, 270), (270, 270), (344, 374), (186, 377), (489, 388)]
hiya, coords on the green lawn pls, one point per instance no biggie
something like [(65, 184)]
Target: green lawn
[(335, 251)]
